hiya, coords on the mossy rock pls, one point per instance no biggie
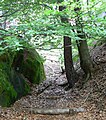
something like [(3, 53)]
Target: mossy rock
[(30, 64), (7, 93), (15, 70), (12, 85), (19, 83)]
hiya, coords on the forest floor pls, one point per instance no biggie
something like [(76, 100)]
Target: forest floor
[(91, 99)]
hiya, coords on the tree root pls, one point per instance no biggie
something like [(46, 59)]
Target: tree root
[(85, 80), (54, 111)]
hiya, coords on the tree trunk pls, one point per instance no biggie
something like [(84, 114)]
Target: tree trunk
[(85, 60), (70, 72)]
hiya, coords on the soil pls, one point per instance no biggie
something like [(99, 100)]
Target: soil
[(49, 94)]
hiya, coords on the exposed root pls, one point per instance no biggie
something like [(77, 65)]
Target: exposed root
[(55, 111)]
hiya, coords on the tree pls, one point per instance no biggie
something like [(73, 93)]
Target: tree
[(68, 61), (85, 60)]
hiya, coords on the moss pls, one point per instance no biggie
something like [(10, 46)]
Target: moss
[(7, 93), (30, 64), (19, 83), (12, 85), (15, 68), (3, 57), (33, 67), (33, 70)]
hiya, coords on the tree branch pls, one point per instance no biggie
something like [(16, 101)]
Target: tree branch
[(24, 4)]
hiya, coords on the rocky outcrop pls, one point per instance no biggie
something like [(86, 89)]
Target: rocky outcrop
[(17, 70)]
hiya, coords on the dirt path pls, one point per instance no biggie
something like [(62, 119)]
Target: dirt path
[(92, 98)]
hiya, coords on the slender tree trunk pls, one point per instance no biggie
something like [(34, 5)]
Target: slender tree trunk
[(85, 60), (70, 72)]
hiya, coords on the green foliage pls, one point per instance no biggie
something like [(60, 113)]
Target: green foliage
[(10, 42), (45, 21), (40, 24)]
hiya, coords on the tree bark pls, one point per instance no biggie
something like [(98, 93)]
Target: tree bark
[(70, 72), (85, 60)]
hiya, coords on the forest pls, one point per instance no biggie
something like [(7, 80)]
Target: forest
[(52, 60)]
